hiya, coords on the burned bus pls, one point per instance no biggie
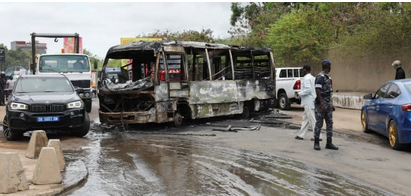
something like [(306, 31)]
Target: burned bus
[(168, 81)]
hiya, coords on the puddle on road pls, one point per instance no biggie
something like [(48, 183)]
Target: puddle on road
[(130, 163)]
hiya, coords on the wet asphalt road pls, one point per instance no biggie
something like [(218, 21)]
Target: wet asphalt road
[(142, 162)]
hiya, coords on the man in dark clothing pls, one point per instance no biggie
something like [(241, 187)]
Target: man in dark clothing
[(399, 74), (323, 106), (2, 88)]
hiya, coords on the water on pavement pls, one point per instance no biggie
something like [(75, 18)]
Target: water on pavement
[(133, 163)]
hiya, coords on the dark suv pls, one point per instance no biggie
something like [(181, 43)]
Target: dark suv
[(44, 102)]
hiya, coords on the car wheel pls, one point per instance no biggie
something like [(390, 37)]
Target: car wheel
[(88, 105), (393, 136), (85, 128), (283, 101), (10, 134), (364, 123), (178, 119)]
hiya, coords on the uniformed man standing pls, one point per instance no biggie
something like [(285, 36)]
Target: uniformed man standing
[(323, 106)]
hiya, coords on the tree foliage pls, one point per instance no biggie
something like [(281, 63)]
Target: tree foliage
[(93, 59), (250, 22), (205, 35), (300, 36), (16, 58), (386, 26), (303, 32)]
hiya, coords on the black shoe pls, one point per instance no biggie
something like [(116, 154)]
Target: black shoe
[(317, 144), (312, 139), (298, 138), (330, 145)]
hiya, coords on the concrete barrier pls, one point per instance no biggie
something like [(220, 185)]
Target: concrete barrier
[(47, 170), (38, 140), (349, 100), (12, 178), (55, 143)]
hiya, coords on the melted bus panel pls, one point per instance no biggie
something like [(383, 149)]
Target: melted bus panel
[(169, 81)]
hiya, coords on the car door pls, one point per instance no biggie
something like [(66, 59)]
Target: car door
[(374, 108), (387, 107)]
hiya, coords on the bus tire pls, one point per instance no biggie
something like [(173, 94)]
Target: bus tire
[(246, 112), (178, 119)]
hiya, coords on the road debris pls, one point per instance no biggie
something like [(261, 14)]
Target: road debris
[(230, 128)]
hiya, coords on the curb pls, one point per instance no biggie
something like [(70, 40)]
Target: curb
[(76, 174)]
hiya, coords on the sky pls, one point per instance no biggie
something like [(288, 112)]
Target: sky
[(102, 24)]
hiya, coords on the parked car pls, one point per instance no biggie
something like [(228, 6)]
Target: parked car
[(45, 102), (388, 112), (288, 84)]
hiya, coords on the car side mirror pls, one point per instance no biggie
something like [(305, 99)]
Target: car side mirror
[(368, 96), (95, 64)]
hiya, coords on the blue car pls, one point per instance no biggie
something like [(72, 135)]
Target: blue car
[(388, 112)]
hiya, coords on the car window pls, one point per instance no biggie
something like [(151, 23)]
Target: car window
[(64, 63), (296, 72), (32, 85), (393, 91), (283, 74), (382, 92), (289, 73), (408, 87)]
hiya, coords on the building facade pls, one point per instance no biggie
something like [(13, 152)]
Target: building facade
[(26, 46)]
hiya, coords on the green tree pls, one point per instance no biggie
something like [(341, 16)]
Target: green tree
[(251, 20), (385, 26), (93, 59), (309, 30), (17, 58), (299, 36), (205, 35)]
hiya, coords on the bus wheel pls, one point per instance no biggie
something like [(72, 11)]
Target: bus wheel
[(178, 119), (246, 112)]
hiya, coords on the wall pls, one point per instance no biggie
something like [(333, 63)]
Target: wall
[(355, 73)]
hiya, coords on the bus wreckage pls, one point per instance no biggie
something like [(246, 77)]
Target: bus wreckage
[(168, 81)]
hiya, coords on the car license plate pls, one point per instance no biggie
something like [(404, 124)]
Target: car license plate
[(48, 119)]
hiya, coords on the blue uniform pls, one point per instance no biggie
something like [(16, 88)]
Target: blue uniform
[(323, 82)]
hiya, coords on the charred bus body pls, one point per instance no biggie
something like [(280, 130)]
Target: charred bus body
[(168, 81)]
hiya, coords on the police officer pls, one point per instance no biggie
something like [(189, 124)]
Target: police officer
[(323, 106)]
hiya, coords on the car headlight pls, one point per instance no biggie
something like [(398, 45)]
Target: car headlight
[(81, 95), (76, 104), (19, 106)]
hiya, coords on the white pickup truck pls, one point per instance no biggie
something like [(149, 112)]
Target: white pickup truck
[(288, 84)]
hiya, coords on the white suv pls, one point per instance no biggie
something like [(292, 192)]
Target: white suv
[(288, 84)]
